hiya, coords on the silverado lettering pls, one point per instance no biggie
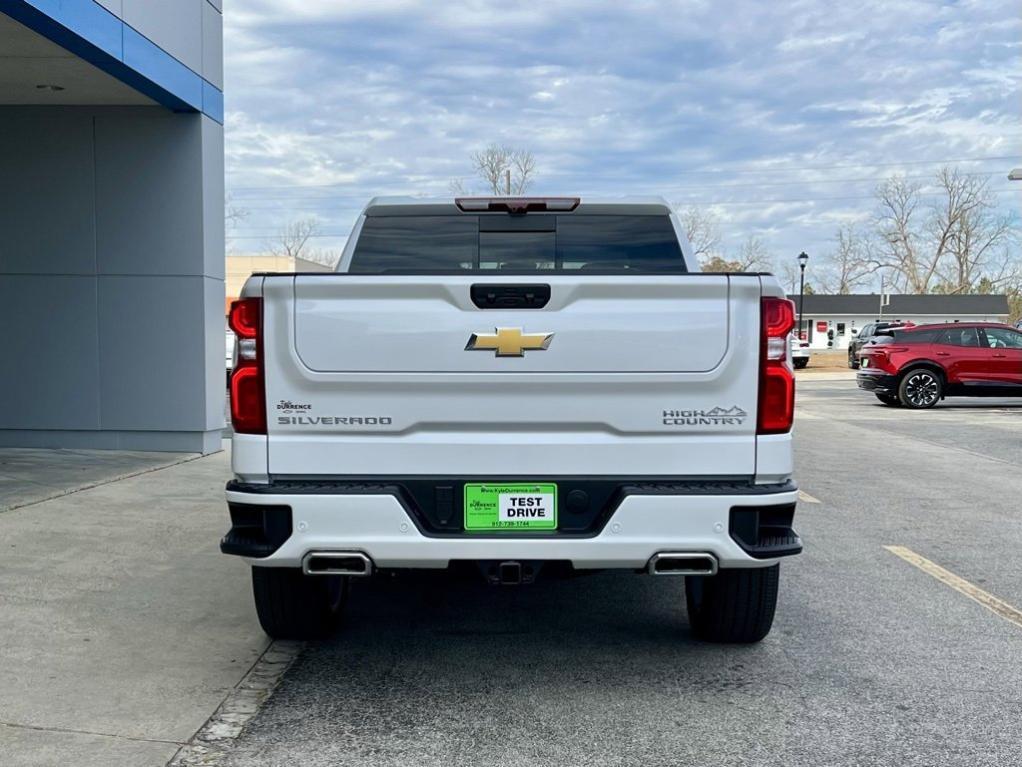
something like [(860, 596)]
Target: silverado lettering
[(313, 420)]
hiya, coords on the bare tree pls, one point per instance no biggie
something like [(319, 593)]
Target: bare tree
[(961, 242), (523, 165), (325, 256), (1014, 292), (977, 236), (753, 256), (496, 164), (233, 216), (851, 264), (960, 198), (897, 223), (952, 244), (702, 229), (491, 164), (293, 238), (789, 275)]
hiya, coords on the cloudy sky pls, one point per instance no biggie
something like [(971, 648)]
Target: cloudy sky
[(780, 117)]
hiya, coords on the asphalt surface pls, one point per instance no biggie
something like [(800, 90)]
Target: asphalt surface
[(871, 661)]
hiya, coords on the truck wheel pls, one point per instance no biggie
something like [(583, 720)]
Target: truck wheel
[(853, 362), (889, 399), (734, 606), (292, 605), (800, 363), (920, 389)]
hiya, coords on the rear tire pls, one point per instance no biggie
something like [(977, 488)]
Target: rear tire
[(891, 400), (800, 363), (291, 605), (920, 388), (734, 606), (853, 363)]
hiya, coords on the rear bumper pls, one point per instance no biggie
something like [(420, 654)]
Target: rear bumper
[(876, 381), (740, 526)]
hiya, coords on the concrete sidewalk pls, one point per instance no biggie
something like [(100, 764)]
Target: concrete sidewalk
[(122, 627), (29, 475)]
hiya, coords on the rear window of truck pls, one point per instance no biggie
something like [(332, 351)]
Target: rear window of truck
[(529, 243)]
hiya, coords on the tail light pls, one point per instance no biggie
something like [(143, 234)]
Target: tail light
[(776, 378), (248, 390)]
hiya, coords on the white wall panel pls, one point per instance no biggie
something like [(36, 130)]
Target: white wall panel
[(152, 356), (149, 179), (212, 45), (213, 304), (127, 350), (174, 25), (46, 191), (50, 350), (213, 198)]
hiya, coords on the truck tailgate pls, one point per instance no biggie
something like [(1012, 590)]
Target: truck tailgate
[(643, 325), (620, 375)]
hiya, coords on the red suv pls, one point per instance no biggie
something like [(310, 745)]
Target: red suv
[(917, 367)]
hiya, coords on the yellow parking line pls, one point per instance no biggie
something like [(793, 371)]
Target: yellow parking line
[(962, 586), (806, 498)]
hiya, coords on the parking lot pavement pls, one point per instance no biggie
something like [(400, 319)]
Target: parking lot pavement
[(872, 660), (988, 426)]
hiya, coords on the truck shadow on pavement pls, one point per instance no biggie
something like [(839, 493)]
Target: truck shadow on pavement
[(569, 608), (456, 671)]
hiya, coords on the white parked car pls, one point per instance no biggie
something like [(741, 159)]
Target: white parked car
[(230, 354), (518, 385), (799, 352)]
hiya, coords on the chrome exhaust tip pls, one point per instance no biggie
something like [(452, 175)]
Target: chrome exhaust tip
[(353, 563), (682, 563)]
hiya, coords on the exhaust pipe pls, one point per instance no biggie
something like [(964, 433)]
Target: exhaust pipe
[(353, 563), (682, 563)]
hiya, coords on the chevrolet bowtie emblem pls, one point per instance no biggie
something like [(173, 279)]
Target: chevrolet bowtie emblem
[(509, 342)]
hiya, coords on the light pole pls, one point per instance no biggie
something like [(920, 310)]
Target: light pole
[(803, 257)]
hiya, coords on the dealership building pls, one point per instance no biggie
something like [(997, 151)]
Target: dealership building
[(830, 321), (111, 209)]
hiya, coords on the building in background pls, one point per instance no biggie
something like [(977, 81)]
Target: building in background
[(241, 267), (112, 221), (830, 321)]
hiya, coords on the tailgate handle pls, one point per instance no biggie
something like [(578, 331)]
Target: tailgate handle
[(510, 296)]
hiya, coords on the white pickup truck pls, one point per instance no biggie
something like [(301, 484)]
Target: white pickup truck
[(528, 387)]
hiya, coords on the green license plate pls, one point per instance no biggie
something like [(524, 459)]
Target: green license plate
[(511, 507)]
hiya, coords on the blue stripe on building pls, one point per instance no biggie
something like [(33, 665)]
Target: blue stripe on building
[(91, 32)]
